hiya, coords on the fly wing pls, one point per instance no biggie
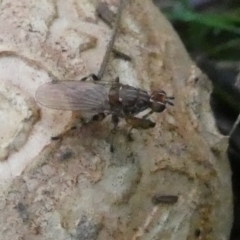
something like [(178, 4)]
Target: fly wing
[(74, 95)]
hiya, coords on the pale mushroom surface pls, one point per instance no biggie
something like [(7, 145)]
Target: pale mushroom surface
[(93, 184)]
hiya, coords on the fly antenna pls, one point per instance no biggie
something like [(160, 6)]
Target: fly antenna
[(169, 100)]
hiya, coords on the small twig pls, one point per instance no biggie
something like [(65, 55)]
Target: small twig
[(158, 198), (112, 40), (235, 126)]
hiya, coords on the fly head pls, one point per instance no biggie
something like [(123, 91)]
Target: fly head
[(159, 100)]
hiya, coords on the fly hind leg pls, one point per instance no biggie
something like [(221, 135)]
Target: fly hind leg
[(91, 76), (115, 121), (97, 117)]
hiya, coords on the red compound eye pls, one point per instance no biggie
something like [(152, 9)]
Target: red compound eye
[(158, 96), (158, 101)]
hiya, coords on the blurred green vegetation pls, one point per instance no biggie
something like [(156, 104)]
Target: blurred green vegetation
[(214, 34)]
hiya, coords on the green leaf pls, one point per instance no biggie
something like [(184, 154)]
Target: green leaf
[(216, 21)]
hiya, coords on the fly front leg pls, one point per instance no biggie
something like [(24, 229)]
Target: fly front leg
[(147, 115), (138, 123), (98, 117)]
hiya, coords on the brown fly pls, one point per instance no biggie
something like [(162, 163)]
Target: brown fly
[(120, 100), (96, 98)]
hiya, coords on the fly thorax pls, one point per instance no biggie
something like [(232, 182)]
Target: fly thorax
[(113, 96), (134, 100)]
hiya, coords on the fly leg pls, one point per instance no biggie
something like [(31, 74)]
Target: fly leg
[(97, 117), (129, 135), (115, 121), (72, 126), (92, 76), (147, 115), (138, 123), (117, 80)]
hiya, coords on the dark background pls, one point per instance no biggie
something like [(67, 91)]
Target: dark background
[(210, 30)]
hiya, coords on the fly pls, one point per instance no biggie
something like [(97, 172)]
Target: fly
[(92, 97)]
